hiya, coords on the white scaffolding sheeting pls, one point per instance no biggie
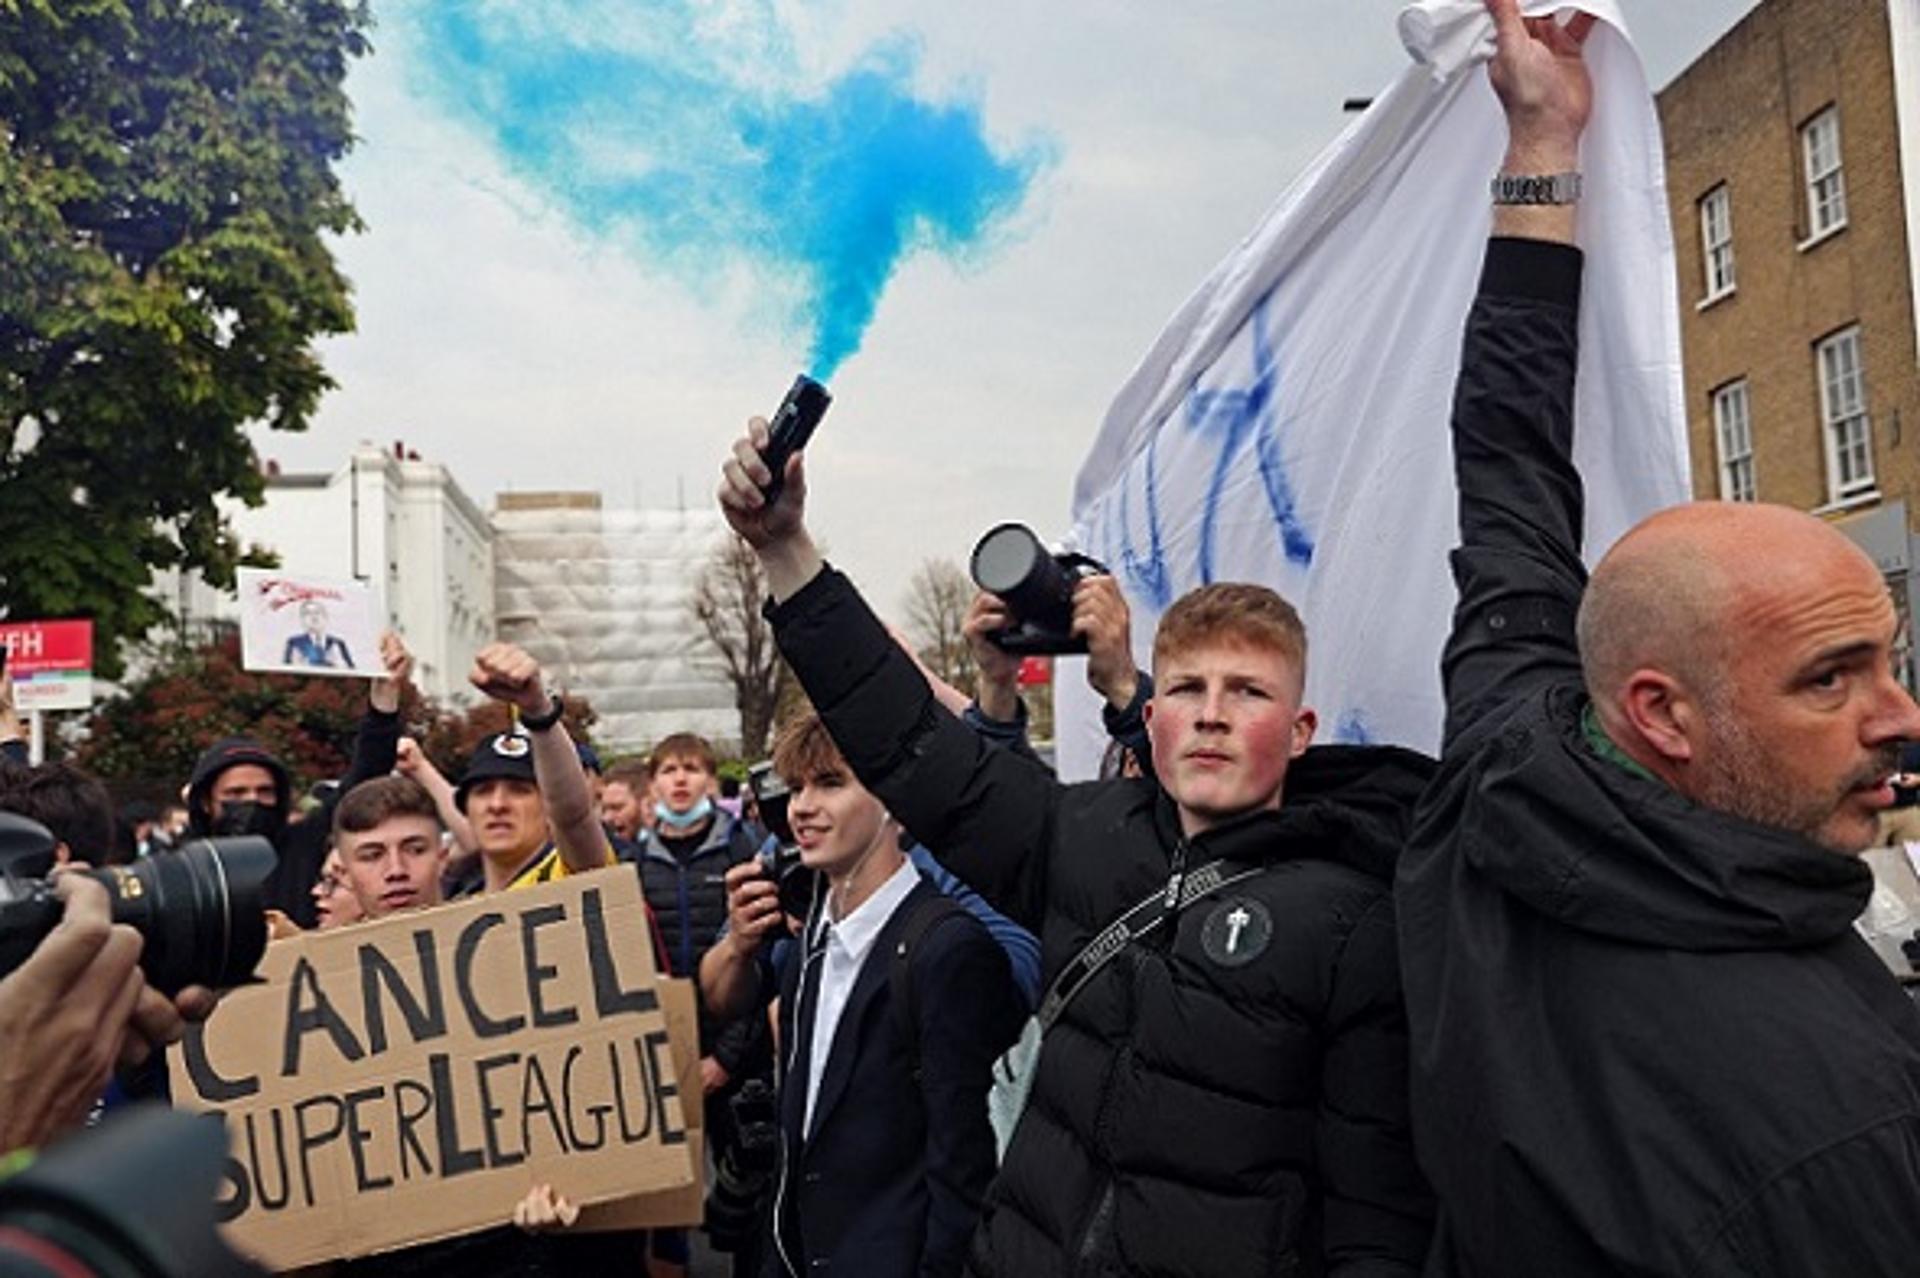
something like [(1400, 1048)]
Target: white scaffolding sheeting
[(601, 599)]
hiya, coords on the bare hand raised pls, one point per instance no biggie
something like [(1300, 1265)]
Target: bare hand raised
[(507, 673), (743, 502), (1540, 75)]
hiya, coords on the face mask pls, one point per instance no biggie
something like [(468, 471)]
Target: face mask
[(680, 822), (244, 816)]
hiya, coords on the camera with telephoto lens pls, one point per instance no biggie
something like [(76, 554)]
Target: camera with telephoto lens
[(133, 1198), (781, 860), (743, 1168), (198, 910), (1037, 587)]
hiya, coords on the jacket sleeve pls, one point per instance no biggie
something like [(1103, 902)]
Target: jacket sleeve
[(376, 748), (1848, 1209), (1008, 736), (1129, 726), (1517, 570), (967, 1015), (987, 813), (1377, 1206), (1021, 947)]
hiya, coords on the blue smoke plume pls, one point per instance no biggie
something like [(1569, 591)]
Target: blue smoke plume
[(679, 123)]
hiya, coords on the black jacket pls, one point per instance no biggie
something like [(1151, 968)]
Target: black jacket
[(1646, 1039), (890, 1179), (1188, 1116)]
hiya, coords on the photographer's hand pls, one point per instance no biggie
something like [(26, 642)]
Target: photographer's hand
[(777, 533), (999, 695), (729, 978), (1100, 617), (158, 1021), (753, 906), (63, 1016)]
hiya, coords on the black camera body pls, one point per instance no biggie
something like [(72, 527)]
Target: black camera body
[(781, 861), (1037, 587), (199, 911)]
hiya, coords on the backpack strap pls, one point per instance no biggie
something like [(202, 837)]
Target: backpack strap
[(922, 916)]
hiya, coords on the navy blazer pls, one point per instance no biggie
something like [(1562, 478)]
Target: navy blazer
[(890, 1183)]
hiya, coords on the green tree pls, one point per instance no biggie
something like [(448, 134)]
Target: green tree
[(166, 182)]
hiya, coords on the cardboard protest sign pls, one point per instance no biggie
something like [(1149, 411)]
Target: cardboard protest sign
[(410, 1079), (307, 625)]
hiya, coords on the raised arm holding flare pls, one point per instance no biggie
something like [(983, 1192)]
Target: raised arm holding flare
[(1223, 1090)]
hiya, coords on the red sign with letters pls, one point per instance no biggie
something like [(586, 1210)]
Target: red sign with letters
[(37, 646)]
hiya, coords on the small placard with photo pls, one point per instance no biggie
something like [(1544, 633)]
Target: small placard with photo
[(292, 624)]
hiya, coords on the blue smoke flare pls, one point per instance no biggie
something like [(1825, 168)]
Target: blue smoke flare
[(662, 123)]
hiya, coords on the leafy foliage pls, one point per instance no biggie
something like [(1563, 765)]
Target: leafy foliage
[(165, 185)]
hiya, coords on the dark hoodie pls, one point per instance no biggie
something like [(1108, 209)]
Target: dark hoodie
[(1197, 1110), (1646, 1039), (302, 847)]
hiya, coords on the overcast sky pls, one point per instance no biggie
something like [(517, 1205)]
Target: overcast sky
[(578, 273)]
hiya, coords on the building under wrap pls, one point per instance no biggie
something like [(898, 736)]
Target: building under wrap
[(601, 599)]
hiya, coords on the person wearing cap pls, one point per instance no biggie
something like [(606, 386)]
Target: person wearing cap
[(525, 791)]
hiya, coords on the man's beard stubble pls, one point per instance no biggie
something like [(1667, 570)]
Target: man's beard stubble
[(1739, 777)]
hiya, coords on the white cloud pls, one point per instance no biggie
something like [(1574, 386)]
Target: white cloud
[(497, 338)]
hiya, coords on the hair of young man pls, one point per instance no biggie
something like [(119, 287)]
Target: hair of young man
[(1231, 614), (69, 801), (635, 774), (686, 747), (804, 751), (371, 803)]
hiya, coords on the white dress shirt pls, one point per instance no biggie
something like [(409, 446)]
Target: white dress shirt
[(848, 942)]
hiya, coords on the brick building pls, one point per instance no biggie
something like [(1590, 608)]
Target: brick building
[(1793, 170)]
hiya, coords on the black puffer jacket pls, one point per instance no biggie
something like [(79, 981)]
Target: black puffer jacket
[(1195, 1112)]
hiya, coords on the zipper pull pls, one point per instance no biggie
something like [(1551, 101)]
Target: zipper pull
[(1175, 879)]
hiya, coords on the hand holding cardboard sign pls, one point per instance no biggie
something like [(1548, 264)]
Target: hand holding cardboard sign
[(508, 673), (542, 1209)]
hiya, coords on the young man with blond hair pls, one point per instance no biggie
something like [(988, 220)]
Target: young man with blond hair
[(1222, 1089)]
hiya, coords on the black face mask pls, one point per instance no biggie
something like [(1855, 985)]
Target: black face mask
[(244, 816)]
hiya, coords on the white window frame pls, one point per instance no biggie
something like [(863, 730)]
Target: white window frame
[(1846, 430), (1826, 176), (1716, 242), (1733, 442)]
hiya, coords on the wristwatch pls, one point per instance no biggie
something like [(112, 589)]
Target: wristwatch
[(541, 722), (1536, 188)]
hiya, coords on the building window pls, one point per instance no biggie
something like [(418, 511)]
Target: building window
[(1843, 416), (1716, 237), (1733, 432), (1826, 185)]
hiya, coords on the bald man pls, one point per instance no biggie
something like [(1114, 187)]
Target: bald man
[(1646, 1039)]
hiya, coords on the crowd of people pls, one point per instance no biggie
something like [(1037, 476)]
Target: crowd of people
[(1581, 996)]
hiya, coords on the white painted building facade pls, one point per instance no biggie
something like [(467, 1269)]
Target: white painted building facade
[(403, 524)]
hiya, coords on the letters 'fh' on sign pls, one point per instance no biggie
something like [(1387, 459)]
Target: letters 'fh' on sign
[(410, 1079)]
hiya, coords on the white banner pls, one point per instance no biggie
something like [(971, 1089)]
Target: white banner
[(1290, 426)]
